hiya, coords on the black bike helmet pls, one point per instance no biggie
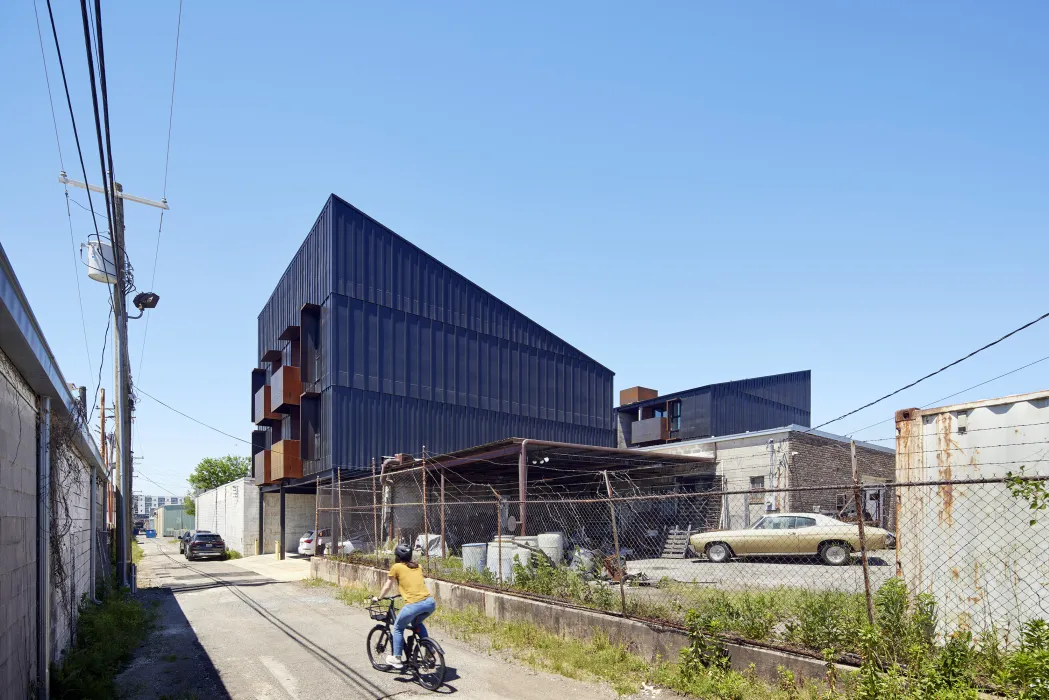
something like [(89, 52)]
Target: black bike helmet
[(402, 553)]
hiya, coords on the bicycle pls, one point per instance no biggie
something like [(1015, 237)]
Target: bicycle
[(423, 656)]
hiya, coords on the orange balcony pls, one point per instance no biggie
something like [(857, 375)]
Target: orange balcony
[(263, 414), (286, 463), (286, 389), (263, 467)]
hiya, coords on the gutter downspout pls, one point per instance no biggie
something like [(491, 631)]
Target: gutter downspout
[(522, 485), (43, 550)]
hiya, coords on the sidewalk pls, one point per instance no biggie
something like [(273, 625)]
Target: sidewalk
[(290, 569)]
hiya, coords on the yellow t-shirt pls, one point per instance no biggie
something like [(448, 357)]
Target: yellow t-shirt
[(410, 582)]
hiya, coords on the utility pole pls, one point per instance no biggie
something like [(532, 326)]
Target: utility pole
[(122, 369)]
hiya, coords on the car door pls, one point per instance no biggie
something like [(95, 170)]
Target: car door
[(773, 535), (807, 535)]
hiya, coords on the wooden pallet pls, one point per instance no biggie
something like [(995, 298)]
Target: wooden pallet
[(676, 545)]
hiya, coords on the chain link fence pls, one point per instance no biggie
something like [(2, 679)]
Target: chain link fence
[(974, 552)]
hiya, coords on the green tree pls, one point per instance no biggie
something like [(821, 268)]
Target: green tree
[(212, 471), (189, 506)]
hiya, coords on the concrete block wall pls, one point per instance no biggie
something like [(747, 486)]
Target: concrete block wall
[(231, 510), (70, 475), (300, 514), (18, 525)]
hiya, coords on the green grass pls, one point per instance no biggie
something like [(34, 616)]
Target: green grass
[(314, 582), (107, 635), (136, 552), (598, 659), (233, 554)]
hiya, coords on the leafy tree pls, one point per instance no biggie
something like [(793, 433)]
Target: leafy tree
[(212, 471), (189, 506)]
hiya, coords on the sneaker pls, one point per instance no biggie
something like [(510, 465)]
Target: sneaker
[(394, 661)]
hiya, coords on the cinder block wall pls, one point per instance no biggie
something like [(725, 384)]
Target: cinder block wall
[(300, 514), (231, 510), (18, 525)]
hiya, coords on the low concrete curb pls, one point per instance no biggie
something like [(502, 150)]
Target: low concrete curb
[(647, 640)]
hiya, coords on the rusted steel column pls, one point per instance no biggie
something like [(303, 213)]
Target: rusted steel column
[(522, 485)]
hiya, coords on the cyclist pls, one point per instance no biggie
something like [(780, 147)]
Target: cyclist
[(418, 603)]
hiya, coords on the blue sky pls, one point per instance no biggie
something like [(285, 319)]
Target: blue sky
[(692, 193)]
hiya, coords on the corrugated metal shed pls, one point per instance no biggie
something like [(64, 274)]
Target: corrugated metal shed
[(411, 353)]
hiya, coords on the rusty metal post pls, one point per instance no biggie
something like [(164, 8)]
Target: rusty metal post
[(375, 518), (858, 496), (615, 542), (426, 515), (522, 485), (338, 543), (499, 539), (444, 550)]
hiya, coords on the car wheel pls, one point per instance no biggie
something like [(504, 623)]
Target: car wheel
[(718, 552), (835, 553)]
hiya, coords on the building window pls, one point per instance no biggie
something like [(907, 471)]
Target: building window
[(757, 484), (675, 416)]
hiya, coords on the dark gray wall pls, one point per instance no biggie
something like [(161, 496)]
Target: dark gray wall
[(413, 353)]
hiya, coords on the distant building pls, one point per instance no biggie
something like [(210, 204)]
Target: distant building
[(644, 417), (171, 520), (143, 506)]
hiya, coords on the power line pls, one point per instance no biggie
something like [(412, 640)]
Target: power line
[(167, 160), (80, 155), (933, 374), (957, 393), (62, 165), (185, 415)]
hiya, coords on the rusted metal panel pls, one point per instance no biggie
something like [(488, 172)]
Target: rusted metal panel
[(648, 430), (973, 547)]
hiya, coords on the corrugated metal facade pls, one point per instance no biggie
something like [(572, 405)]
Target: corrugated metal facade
[(411, 353), (746, 405)]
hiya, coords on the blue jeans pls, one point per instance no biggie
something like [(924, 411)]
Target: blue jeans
[(411, 615)]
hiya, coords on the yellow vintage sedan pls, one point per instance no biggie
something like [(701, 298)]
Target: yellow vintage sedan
[(832, 540)]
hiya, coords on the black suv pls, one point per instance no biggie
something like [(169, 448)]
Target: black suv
[(185, 537), (205, 544)]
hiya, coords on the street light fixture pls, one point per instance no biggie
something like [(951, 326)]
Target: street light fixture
[(143, 301)]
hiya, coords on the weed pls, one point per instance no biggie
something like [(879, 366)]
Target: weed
[(136, 552), (233, 554), (355, 595), (107, 634), (314, 582)]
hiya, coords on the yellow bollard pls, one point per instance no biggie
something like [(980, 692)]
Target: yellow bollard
[(276, 549)]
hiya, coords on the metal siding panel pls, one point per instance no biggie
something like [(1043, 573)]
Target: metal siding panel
[(461, 362)]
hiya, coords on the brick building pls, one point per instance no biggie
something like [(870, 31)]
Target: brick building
[(795, 457)]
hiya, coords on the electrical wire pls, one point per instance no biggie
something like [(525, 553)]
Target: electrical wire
[(933, 374), (80, 155), (957, 393), (164, 196), (62, 165)]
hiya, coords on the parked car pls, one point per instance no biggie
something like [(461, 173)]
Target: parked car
[(312, 542), (832, 540), (205, 544), (186, 537)]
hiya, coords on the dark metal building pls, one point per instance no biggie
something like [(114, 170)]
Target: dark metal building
[(369, 347), (762, 403)]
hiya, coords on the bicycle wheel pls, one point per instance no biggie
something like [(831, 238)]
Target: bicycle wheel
[(429, 664), (378, 647)]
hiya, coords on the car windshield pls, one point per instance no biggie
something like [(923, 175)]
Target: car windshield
[(309, 533), (207, 538)]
